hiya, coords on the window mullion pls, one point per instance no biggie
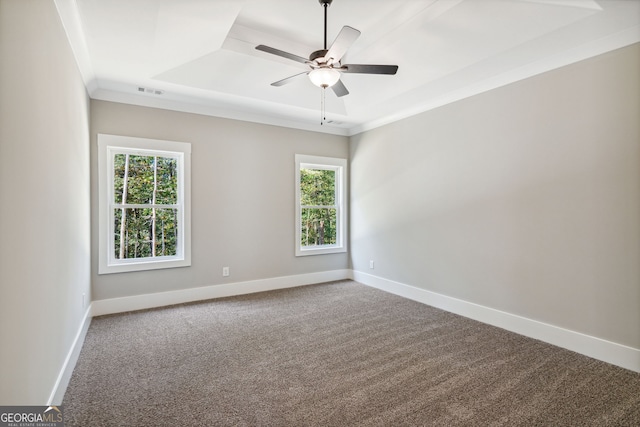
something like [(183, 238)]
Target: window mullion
[(143, 206), (319, 206)]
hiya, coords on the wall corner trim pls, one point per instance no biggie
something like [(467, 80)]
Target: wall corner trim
[(597, 348)]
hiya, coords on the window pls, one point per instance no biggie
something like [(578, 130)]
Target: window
[(321, 212), (144, 204)]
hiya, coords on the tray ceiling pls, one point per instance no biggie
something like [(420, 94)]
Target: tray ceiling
[(199, 55)]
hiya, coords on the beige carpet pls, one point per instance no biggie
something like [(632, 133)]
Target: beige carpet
[(336, 354)]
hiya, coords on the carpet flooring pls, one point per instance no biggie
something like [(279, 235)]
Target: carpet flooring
[(337, 354)]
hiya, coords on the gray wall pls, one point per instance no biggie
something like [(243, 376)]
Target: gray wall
[(524, 199), (44, 200), (242, 198)]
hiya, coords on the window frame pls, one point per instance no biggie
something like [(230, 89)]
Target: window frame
[(339, 165), (108, 147)]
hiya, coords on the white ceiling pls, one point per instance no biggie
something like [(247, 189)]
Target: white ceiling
[(201, 53)]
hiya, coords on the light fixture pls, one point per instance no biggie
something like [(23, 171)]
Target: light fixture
[(324, 77)]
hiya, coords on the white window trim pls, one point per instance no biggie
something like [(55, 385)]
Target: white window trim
[(329, 163), (107, 146)]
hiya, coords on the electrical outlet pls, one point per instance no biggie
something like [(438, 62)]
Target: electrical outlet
[(84, 300), (225, 271), (371, 264)]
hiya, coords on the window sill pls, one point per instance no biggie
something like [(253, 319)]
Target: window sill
[(139, 265), (320, 250)]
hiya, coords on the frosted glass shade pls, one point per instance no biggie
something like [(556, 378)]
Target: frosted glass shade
[(324, 77)]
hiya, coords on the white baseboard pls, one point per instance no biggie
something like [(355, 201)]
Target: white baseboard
[(597, 348), (60, 387), (607, 351), (160, 299)]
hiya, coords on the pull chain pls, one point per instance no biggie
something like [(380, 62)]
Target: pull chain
[(323, 115)]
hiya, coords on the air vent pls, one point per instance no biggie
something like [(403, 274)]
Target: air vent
[(150, 91), (334, 122)]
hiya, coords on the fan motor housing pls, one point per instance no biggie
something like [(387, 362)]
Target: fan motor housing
[(318, 54), (323, 2)]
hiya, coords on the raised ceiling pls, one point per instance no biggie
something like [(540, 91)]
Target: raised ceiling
[(199, 55)]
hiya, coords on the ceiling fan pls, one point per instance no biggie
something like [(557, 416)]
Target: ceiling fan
[(325, 66)]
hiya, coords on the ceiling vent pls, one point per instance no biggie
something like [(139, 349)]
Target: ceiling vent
[(150, 91)]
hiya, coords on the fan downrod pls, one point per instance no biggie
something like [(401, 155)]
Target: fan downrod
[(325, 5)]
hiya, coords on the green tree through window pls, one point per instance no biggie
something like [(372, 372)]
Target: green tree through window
[(321, 211), (146, 192), (318, 205), (144, 204)]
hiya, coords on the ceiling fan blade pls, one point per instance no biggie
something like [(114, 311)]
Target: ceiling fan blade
[(368, 69), (288, 79), (345, 39), (282, 53), (340, 89)]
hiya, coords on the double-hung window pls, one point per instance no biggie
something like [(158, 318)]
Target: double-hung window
[(321, 212), (144, 204)]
